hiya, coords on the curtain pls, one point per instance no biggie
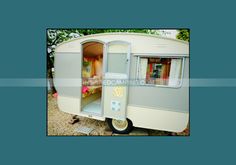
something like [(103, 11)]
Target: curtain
[(143, 68), (175, 72)]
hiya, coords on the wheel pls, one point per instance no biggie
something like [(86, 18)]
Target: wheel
[(120, 126)]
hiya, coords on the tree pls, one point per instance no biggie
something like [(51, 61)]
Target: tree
[(183, 34)]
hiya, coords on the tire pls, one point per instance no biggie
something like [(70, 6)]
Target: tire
[(119, 126)]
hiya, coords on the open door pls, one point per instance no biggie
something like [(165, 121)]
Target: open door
[(116, 75)]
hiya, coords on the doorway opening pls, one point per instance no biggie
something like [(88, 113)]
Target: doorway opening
[(92, 71)]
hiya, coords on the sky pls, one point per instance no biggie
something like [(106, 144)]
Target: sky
[(168, 33)]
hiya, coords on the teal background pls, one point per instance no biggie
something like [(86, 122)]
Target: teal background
[(23, 137)]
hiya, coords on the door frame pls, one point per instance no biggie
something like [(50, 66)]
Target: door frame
[(81, 50)]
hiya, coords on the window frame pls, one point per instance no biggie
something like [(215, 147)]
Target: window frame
[(159, 56)]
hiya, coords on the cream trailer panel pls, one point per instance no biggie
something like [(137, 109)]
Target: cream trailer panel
[(68, 81)]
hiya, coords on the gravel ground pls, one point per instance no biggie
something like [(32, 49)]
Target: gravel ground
[(58, 125)]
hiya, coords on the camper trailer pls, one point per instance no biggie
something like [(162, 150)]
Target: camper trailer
[(127, 79)]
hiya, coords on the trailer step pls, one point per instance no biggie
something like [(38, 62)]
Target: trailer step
[(84, 130)]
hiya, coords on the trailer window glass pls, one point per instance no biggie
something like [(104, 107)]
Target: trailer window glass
[(160, 71), (116, 63)]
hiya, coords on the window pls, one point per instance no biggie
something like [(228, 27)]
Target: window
[(117, 62), (160, 71)]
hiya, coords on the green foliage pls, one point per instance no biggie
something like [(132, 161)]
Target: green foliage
[(183, 34)]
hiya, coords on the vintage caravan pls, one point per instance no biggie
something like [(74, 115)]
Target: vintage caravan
[(127, 79)]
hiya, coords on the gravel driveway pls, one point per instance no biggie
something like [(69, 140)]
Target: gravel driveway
[(58, 125)]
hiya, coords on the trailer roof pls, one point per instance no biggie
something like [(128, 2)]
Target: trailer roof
[(139, 42)]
